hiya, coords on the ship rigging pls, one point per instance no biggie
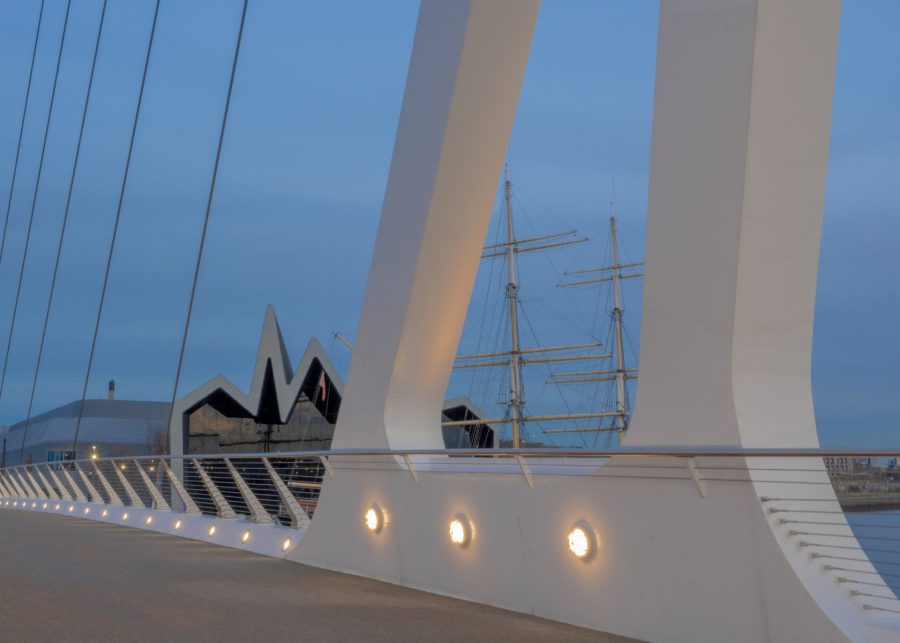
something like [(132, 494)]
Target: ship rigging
[(517, 357)]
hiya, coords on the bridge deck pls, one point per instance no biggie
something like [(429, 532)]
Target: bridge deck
[(68, 579)]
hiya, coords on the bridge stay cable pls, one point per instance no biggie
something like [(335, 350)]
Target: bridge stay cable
[(37, 186), (115, 230), (65, 221), (15, 172), (209, 201)]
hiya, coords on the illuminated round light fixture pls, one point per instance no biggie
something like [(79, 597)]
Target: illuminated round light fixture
[(44, 506), (87, 510), (56, 507), (177, 525), (460, 531), (582, 541), (71, 508), (104, 513), (149, 520), (212, 531), (286, 544), (33, 505), (374, 518), (125, 516), (245, 536)]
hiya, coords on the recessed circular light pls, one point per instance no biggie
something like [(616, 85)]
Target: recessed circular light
[(104, 513), (177, 525), (87, 510), (44, 506), (71, 508), (374, 518), (286, 544), (212, 530), (56, 507), (33, 505), (245, 536), (460, 531), (125, 516), (149, 520), (582, 540)]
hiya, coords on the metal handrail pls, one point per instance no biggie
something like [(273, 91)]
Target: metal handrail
[(282, 489), (649, 451)]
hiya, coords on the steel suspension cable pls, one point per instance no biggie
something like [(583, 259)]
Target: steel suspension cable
[(115, 230), (209, 201), (65, 221), (37, 185), (15, 172)]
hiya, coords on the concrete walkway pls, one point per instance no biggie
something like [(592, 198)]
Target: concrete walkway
[(68, 579)]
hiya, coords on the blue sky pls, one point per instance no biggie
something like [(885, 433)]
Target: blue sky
[(304, 165)]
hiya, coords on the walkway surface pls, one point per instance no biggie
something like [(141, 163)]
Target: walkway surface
[(68, 579)]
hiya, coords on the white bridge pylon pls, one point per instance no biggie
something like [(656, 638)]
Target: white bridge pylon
[(740, 140)]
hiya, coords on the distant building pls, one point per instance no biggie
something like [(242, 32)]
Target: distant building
[(109, 428), (287, 409), (838, 465), (284, 411)]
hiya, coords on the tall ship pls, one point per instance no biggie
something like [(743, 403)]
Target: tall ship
[(548, 394)]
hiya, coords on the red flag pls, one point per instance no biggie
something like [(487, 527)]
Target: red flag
[(322, 386)]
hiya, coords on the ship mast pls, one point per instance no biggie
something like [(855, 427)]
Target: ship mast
[(622, 417), (515, 367), (518, 357), (621, 374)]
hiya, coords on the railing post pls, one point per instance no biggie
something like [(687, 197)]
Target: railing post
[(190, 507), (158, 501), (526, 472), (133, 496), (76, 490), (63, 492), (114, 498), (34, 483), (12, 480), (409, 467), (29, 492), (50, 491), (223, 509), (92, 491), (4, 490), (325, 463), (258, 514), (697, 476), (299, 518)]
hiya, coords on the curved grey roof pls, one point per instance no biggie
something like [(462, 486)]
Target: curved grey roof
[(119, 424)]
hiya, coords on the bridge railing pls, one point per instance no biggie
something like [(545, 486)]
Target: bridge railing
[(840, 507)]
